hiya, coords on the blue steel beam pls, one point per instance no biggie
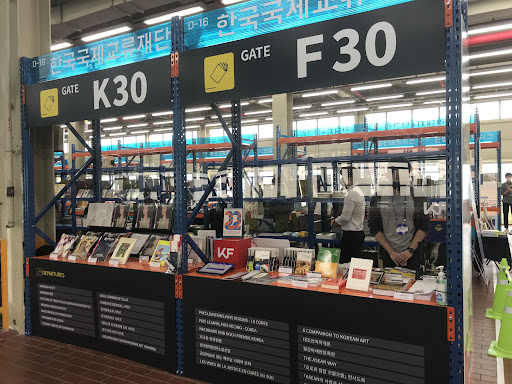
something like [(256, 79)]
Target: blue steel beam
[(80, 138), (96, 154)]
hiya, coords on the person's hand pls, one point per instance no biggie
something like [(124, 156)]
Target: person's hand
[(395, 257), (333, 223), (403, 257)]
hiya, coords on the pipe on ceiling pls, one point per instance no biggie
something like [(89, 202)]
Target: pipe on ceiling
[(78, 8), (490, 38)]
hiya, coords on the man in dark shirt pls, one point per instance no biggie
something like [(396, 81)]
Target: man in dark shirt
[(506, 191), (397, 221)]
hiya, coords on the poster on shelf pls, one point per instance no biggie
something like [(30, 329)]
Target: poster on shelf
[(233, 222), (395, 41)]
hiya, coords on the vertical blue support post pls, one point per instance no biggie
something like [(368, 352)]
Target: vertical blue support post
[(458, 227), (335, 176), (180, 177), (96, 146), (365, 142), (477, 164), (141, 177), (311, 204), (278, 157), (236, 125), (73, 192), (161, 174), (205, 206), (499, 178), (28, 188)]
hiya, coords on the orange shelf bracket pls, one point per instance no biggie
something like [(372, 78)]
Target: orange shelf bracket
[(450, 313)]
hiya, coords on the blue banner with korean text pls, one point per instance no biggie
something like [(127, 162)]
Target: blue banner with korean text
[(144, 44), (258, 17)]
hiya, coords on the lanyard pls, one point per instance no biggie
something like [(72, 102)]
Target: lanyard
[(405, 209)]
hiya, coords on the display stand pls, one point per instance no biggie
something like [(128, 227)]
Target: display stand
[(293, 319)]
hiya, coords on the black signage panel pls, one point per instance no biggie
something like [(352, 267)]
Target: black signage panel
[(120, 311), (247, 333), (130, 89), (400, 40)]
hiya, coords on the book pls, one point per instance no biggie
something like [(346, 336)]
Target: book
[(303, 264), (162, 251), (385, 289), (201, 243), (359, 274), (327, 262), (146, 216), (423, 289), (151, 243), (84, 246), (123, 249), (103, 246), (334, 283), (100, 215), (64, 246), (164, 216), (121, 212), (263, 279), (141, 241), (262, 261), (376, 277)]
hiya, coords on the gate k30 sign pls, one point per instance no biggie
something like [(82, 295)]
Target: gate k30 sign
[(135, 88), (399, 40)]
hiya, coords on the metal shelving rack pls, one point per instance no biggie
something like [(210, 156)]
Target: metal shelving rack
[(456, 132)]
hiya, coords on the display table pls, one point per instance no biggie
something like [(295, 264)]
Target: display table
[(127, 310), (238, 332)]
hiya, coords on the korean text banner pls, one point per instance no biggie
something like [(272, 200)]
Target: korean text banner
[(143, 44), (400, 40), (134, 88), (257, 17)]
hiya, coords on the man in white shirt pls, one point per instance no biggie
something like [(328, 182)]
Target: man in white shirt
[(351, 221)]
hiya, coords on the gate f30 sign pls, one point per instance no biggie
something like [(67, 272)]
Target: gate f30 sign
[(135, 88), (400, 40)]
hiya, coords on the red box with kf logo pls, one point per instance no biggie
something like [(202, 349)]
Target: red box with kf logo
[(233, 251)]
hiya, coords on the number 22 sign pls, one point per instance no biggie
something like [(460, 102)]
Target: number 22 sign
[(233, 222)]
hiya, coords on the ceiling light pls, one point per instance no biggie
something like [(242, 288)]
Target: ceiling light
[(59, 46), (258, 112), (63, 126), (371, 86), (140, 132), (338, 103), (395, 106), (137, 125), (198, 109), (104, 34), (162, 122), (118, 134), (213, 125), (426, 80), (268, 100), (390, 97), (195, 119), (490, 54), (169, 16), (490, 96), (88, 131), (249, 121), (223, 116), (495, 85), (313, 114), (162, 130), (192, 126), (301, 107), (134, 117), (351, 110), (437, 91), (243, 103), (491, 28), (107, 120), (435, 102), (229, 2), (162, 113), (112, 128), (88, 122), (90, 137), (490, 71), (320, 93), (269, 119)]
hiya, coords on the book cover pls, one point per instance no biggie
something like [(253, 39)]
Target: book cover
[(334, 283), (141, 241), (303, 264), (327, 262), (121, 212), (384, 289), (119, 237), (162, 251), (164, 217), (146, 216), (84, 246), (123, 249), (359, 274), (103, 247), (64, 243), (150, 246), (100, 214), (376, 277), (262, 261)]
